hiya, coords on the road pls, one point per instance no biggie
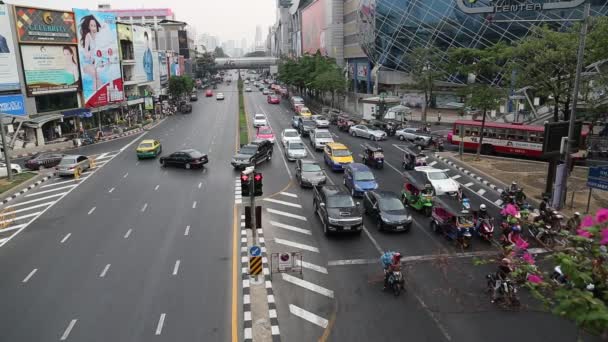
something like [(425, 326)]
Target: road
[(132, 251), (339, 297)]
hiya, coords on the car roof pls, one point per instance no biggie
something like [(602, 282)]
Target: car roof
[(427, 169), (337, 146), (358, 167), (385, 194), (308, 161), (147, 141), (259, 114), (189, 150), (290, 130), (331, 190)]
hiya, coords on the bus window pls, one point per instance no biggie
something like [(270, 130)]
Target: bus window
[(488, 133), (457, 130), (521, 135), (532, 137), (510, 134), (467, 132), (500, 133), (475, 131)]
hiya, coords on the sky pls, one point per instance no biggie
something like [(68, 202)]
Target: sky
[(227, 19)]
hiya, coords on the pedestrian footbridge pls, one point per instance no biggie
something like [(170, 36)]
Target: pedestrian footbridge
[(245, 62)]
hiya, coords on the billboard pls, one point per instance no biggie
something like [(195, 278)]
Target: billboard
[(182, 37), (50, 68), (142, 52), (163, 72), (313, 28), (174, 66), (12, 104), (9, 78), (98, 55), (156, 84), (38, 25)]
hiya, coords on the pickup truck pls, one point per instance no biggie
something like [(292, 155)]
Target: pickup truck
[(320, 137), (337, 210)]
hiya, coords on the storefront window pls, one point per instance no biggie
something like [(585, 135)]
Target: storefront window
[(56, 102)]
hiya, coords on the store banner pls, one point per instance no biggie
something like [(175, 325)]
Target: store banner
[(38, 25), (124, 32), (149, 103), (144, 63), (9, 78), (163, 70), (156, 84), (99, 61), (314, 28), (182, 37), (12, 105), (50, 68)]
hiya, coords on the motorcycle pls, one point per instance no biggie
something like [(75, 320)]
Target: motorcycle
[(546, 235), (507, 291), (485, 229), (396, 282)]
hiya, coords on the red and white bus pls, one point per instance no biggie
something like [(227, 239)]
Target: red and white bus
[(504, 138)]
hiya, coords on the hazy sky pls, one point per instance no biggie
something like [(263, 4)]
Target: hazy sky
[(228, 19)]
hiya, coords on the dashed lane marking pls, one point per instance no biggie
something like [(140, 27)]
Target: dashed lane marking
[(187, 231), (310, 266), (289, 194), (50, 190), (433, 163), (176, 267), (309, 316), (289, 204), (308, 285), (30, 275), (283, 213), (156, 187), (194, 205), (469, 184), (498, 202), (161, 322), (67, 331), (111, 190), (65, 238), (456, 177), (105, 270), (292, 228), (481, 192), (125, 176), (144, 207), (128, 233), (296, 245)]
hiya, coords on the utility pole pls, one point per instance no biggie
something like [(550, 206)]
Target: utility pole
[(577, 80), (461, 144), (7, 157)]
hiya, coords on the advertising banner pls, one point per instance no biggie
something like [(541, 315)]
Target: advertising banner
[(124, 32), (9, 78), (12, 105), (163, 70), (156, 83), (148, 103), (182, 37), (98, 55), (182, 66), (50, 68), (174, 66), (313, 28), (38, 25), (144, 64)]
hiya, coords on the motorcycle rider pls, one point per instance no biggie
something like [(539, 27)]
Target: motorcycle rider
[(428, 190), (391, 262), (513, 187), (420, 159), (542, 207), (504, 270), (482, 215), (574, 222)]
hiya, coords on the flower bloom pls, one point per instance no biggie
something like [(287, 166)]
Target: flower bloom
[(604, 234), (528, 258), (584, 233), (587, 222), (602, 215), (534, 279)]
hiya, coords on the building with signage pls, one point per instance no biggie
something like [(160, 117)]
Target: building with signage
[(358, 65)]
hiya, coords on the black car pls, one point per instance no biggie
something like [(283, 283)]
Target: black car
[(386, 208), (337, 210), (188, 159), (253, 153), (309, 173), (306, 126), (45, 160), (193, 97)]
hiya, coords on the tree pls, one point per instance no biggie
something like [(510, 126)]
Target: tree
[(219, 53), (428, 65), (180, 85), (484, 97), (256, 54), (205, 64)]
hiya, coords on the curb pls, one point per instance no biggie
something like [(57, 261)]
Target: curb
[(449, 161), (18, 193)]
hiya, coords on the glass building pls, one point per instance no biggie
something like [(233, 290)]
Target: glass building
[(390, 29)]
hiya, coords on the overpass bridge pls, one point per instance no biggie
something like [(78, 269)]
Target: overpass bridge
[(245, 62)]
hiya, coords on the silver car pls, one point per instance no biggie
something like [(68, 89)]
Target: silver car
[(295, 150), (69, 163), (367, 132)]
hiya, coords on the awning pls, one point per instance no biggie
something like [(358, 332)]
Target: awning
[(38, 121), (80, 112)]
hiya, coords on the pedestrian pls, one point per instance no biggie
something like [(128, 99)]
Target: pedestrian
[(438, 117), (58, 130)]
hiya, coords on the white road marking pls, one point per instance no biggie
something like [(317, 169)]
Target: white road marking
[(176, 267), (292, 228), (289, 194), (34, 200), (9, 228), (31, 274), (419, 258), (248, 334), (144, 207), (65, 238), (309, 316), (125, 176), (62, 182), (91, 211), (456, 177), (310, 266), (469, 184), (156, 187), (18, 218), (132, 142), (137, 163), (374, 242), (200, 184), (105, 270), (67, 331), (308, 285), (481, 191), (111, 190), (161, 321), (296, 245), (289, 204), (393, 167), (282, 213), (128, 233), (30, 208), (102, 156), (51, 190), (433, 163), (498, 202), (187, 231), (194, 205)]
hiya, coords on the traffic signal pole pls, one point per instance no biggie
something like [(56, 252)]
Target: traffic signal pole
[(254, 226)]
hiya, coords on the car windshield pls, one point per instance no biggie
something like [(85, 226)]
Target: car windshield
[(291, 134), (67, 161), (296, 146), (308, 123), (364, 176), (341, 153), (321, 118), (390, 203), (265, 130), (248, 150), (145, 145), (260, 117), (323, 135), (437, 175), (306, 167), (340, 201)]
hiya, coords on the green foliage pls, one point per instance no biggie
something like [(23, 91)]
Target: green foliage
[(205, 64), (243, 127), (314, 72), (428, 65), (219, 52), (180, 85)]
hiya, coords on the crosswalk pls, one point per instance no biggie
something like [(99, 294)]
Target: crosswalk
[(20, 212)]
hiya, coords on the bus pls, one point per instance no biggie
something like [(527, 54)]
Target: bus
[(505, 138)]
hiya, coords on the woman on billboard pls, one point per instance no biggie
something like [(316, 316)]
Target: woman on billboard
[(89, 27), (71, 65)]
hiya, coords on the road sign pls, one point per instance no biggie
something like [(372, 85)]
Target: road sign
[(286, 262), (255, 251), (598, 177), (255, 265)]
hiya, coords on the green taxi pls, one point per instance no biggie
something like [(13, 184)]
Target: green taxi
[(148, 149)]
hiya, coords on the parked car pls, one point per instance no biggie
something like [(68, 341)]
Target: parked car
[(252, 154), (319, 138), (309, 173), (219, 96), (295, 150), (289, 134), (188, 158), (358, 178), (248, 89), (43, 160), (259, 120), (273, 99), (337, 156), (337, 210), (441, 182), (265, 133), (408, 133), (387, 210), (367, 132), (193, 96), (69, 163), (148, 148), (15, 169), (321, 121)]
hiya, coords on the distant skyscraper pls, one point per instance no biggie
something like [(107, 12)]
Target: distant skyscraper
[(258, 35), (244, 44)]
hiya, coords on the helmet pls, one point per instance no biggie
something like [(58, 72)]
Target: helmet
[(397, 257), (514, 183), (482, 207), (505, 262), (554, 213), (577, 214), (516, 228)]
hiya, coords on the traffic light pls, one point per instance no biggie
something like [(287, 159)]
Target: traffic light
[(245, 185), (257, 180)]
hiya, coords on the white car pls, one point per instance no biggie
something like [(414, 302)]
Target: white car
[(441, 182), (259, 120), (15, 168), (246, 81), (219, 96), (320, 121), (289, 134), (248, 89), (366, 132), (295, 150), (408, 133), (320, 137)]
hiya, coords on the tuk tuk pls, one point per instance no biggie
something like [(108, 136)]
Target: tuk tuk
[(449, 219), (185, 108), (418, 194), (344, 122), (412, 159), (373, 155)]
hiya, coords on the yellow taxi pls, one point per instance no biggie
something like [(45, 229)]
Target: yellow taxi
[(148, 148), (305, 112), (337, 156)]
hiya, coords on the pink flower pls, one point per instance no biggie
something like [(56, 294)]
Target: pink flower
[(534, 279), (521, 243), (528, 258), (587, 222), (604, 234), (602, 215), (584, 233)]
